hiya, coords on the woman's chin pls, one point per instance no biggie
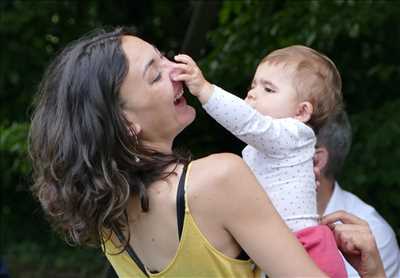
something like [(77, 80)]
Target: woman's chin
[(190, 115), (185, 112), (186, 116)]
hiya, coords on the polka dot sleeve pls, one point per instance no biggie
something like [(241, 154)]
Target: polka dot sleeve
[(259, 131)]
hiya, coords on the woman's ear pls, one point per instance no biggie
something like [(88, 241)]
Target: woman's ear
[(137, 128), (133, 127), (304, 111)]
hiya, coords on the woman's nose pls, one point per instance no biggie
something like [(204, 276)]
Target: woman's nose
[(168, 63), (170, 66)]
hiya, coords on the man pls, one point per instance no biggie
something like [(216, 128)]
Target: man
[(333, 145)]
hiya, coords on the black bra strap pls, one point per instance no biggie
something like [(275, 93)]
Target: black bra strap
[(180, 210), (243, 256), (131, 252), (180, 202)]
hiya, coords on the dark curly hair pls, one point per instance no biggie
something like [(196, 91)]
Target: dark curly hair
[(86, 163)]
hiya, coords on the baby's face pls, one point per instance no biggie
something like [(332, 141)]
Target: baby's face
[(272, 91)]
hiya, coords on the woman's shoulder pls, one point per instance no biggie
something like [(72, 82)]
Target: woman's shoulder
[(217, 166), (210, 181), (213, 175), (220, 161)]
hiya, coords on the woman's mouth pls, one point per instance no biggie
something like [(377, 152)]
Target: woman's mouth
[(179, 98)]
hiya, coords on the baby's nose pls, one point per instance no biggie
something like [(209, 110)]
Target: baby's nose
[(251, 94)]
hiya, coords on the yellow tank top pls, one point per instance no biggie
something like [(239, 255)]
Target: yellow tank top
[(195, 257)]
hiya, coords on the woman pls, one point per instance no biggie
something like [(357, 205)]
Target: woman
[(106, 173)]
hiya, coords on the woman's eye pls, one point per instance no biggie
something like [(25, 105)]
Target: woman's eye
[(158, 77)]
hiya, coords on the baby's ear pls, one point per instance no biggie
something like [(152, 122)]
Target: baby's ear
[(304, 111)]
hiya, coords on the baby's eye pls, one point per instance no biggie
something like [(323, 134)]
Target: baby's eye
[(269, 90)]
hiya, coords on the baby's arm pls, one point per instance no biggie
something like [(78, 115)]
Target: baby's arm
[(193, 77), (261, 132)]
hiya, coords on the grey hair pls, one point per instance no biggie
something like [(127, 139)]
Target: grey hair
[(335, 136)]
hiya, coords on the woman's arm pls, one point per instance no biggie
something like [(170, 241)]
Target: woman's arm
[(247, 214), (357, 243)]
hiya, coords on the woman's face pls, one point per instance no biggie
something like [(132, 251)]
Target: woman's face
[(151, 101)]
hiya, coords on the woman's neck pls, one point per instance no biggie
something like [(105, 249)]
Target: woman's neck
[(162, 147)]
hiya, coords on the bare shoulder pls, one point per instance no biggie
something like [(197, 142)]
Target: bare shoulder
[(216, 176), (217, 169), (214, 183), (222, 164)]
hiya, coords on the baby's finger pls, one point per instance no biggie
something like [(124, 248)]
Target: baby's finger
[(180, 67), (183, 58), (181, 77)]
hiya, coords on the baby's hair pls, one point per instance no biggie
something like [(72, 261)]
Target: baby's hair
[(316, 79)]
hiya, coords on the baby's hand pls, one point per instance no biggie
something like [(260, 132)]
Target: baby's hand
[(189, 72)]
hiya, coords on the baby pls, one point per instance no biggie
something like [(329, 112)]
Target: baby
[(293, 92)]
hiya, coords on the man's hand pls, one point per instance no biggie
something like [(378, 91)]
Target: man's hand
[(354, 238), (189, 72)]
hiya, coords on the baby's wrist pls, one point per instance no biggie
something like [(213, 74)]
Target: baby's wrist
[(205, 92)]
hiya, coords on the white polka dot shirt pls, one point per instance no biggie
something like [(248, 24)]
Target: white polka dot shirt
[(279, 152)]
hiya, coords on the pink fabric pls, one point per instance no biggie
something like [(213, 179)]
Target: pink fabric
[(321, 246)]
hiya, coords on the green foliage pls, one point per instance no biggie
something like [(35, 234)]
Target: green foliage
[(34, 33), (30, 259), (13, 142), (373, 163)]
